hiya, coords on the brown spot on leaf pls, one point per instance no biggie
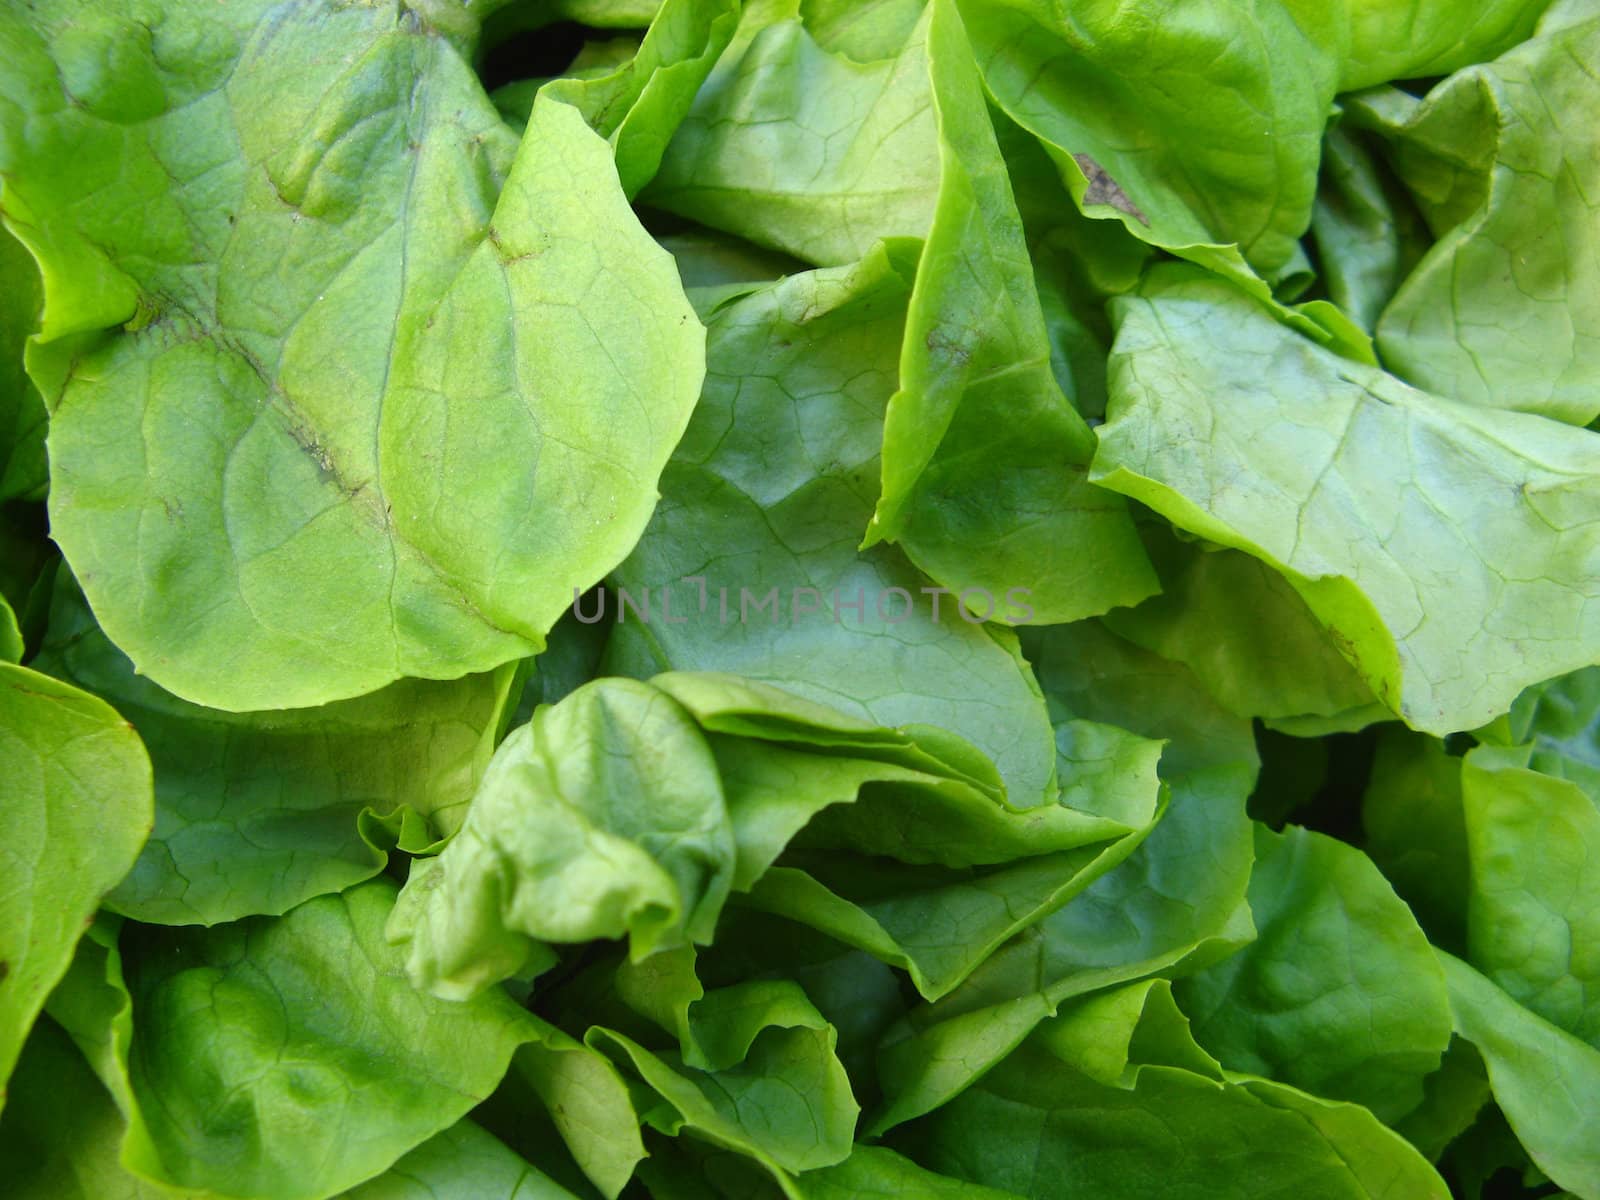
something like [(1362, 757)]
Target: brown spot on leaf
[(5, 969), (942, 345), (1105, 190)]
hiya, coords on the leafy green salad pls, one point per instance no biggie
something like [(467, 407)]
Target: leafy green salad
[(799, 599)]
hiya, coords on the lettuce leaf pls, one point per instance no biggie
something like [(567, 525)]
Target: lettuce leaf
[(302, 393), (1504, 309), (1448, 594), (799, 599), (77, 811)]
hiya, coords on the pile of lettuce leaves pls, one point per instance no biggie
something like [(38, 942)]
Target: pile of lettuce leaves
[(949, 599)]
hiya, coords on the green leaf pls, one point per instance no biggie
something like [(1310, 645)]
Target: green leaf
[(689, 1170), (1430, 37), (857, 994), (932, 799), (92, 1004), (750, 565), (1199, 133), (1078, 262), (1560, 719), (1088, 673), (61, 1143), (602, 14), (984, 459), (568, 1109), (938, 924), (693, 1169), (716, 267), (732, 704), (1453, 1096), (1177, 903), (785, 1102), (804, 150), (1416, 831), (77, 810), (1275, 446), (602, 818), (754, 1069), (1339, 995), (381, 424), (924, 868), (257, 812), (1244, 631), (935, 879), (1489, 1149), (1546, 1081), (245, 1066), (903, 855), (23, 472), (1113, 1099), (877, 1172), (1505, 310), (1533, 916), (1368, 232), (638, 106), (28, 562), (289, 1058), (462, 1163), (865, 30), (11, 646), (349, 294), (1180, 898)]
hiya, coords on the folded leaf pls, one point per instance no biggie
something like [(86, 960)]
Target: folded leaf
[(1112, 1098), (1453, 1098), (1176, 904), (939, 924), (1368, 232), (639, 106), (602, 818), (921, 868), (778, 471), (733, 704), (933, 877), (1244, 631), (784, 1101), (859, 995), (1504, 311), (804, 150), (587, 1102), (1452, 574), (1198, 131), (984, 459)]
